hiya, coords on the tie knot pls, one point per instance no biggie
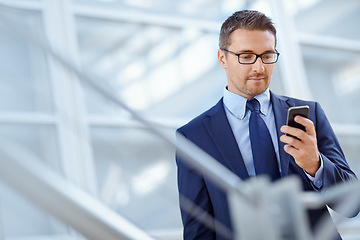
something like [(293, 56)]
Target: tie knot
[(253, 104)]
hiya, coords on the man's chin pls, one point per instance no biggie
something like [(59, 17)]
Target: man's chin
[(257, 89)]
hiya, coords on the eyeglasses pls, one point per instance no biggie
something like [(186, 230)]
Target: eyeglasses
[(250, 58)]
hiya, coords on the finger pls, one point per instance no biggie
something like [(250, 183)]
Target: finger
[(307, 123), (291, 141), (300, 134), (290, 150)]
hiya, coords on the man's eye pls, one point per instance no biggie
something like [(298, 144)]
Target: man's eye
[(268, 56), (246, 56)]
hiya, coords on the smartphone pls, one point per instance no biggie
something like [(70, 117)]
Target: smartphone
[(294, 111)]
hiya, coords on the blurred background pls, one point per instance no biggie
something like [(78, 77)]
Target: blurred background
[(160, 58)]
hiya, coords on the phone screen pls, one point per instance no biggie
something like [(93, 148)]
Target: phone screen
[(294, 111)]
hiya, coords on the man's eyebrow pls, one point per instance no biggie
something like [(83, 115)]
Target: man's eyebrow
[(251, 51), (246, 51)]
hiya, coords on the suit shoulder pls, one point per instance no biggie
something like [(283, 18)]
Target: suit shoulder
[(295, 101), (301, 101), (197, 122)]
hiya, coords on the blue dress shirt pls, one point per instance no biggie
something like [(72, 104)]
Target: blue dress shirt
[(238, 116)]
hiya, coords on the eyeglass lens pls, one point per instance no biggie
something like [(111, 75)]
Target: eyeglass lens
[(251, 57)]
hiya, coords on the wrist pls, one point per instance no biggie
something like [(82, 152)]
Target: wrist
[(312, 170)]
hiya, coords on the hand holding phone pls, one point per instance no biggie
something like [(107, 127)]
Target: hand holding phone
[(294, 111), (305, 150)]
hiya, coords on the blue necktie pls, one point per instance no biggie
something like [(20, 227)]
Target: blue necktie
[(264, 156)]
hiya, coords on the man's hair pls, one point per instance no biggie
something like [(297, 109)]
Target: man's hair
[(245, 19)]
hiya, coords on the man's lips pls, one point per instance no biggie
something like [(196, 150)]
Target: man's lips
[(257, 77)]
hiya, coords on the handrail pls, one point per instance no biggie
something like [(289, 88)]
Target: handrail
[(23, 171)]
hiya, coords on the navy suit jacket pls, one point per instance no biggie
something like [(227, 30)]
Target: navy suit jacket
[(211, 131)]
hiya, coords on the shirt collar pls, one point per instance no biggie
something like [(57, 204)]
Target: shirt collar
[(236, 104)]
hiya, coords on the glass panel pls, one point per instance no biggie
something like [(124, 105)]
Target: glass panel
[(152, 68), (276, 84), (21, 1), (350, 146), (24, 77), (200, 9), (334, 80), (40, 140), (137, 176), (339, 19), (20, 217)]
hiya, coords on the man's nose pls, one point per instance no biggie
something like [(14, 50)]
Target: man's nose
[(258, 66)]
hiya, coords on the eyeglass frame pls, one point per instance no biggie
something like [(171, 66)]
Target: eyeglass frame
[(257, 56)]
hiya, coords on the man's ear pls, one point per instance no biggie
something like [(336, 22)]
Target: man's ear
[(222, 58)]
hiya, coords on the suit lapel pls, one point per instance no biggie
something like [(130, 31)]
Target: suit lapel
[(280, 107), (221, 134)]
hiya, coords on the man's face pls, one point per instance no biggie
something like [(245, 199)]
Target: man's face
[(253, 79)]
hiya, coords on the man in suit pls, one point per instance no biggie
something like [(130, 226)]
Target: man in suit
[(247, 52)]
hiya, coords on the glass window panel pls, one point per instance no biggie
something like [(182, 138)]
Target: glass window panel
[(340, 17), (334, 80), (24, 77), (21, 218), (21, 1), (150, 67), (39, 140), (350, 146), (136, 176), (200, 9), (276, 84), (153, 68)]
